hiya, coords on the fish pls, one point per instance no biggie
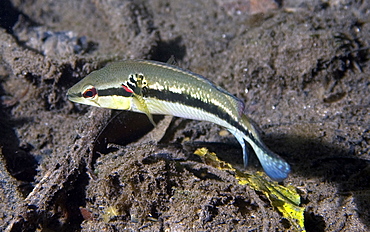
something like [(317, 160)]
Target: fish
[(152, 87)]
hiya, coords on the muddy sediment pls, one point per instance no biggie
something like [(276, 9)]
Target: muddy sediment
[(302, 69)]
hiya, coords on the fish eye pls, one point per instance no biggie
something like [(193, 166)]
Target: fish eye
[(90, 92)]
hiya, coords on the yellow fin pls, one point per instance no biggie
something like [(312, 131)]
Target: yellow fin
[(141, 105)]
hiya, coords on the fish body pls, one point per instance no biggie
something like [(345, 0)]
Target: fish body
[(152, 87)]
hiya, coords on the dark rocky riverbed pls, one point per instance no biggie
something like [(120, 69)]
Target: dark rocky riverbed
[(301, 67)]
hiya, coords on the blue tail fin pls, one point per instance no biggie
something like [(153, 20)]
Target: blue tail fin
[(274, 166)]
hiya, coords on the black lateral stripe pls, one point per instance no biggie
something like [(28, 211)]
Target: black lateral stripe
[(114, 91), (185, 99)]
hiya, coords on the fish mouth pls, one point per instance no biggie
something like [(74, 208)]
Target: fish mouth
[(73, 96)]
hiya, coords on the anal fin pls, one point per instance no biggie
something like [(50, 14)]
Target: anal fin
[(240, 137)]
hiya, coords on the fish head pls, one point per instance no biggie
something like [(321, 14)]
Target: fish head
[(103, 88)]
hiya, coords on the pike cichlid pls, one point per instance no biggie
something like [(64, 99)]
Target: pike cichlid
[(157, 88)]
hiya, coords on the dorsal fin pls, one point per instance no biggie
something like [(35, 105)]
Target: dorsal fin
[(241, 107), (172, 60)]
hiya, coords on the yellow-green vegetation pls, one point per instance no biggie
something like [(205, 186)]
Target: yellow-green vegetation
[(285, 199), (109, 213)]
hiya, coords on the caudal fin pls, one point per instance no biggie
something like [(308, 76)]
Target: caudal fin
[(274, 166)]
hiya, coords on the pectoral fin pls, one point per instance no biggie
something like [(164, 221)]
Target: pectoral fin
[(142, 106)]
